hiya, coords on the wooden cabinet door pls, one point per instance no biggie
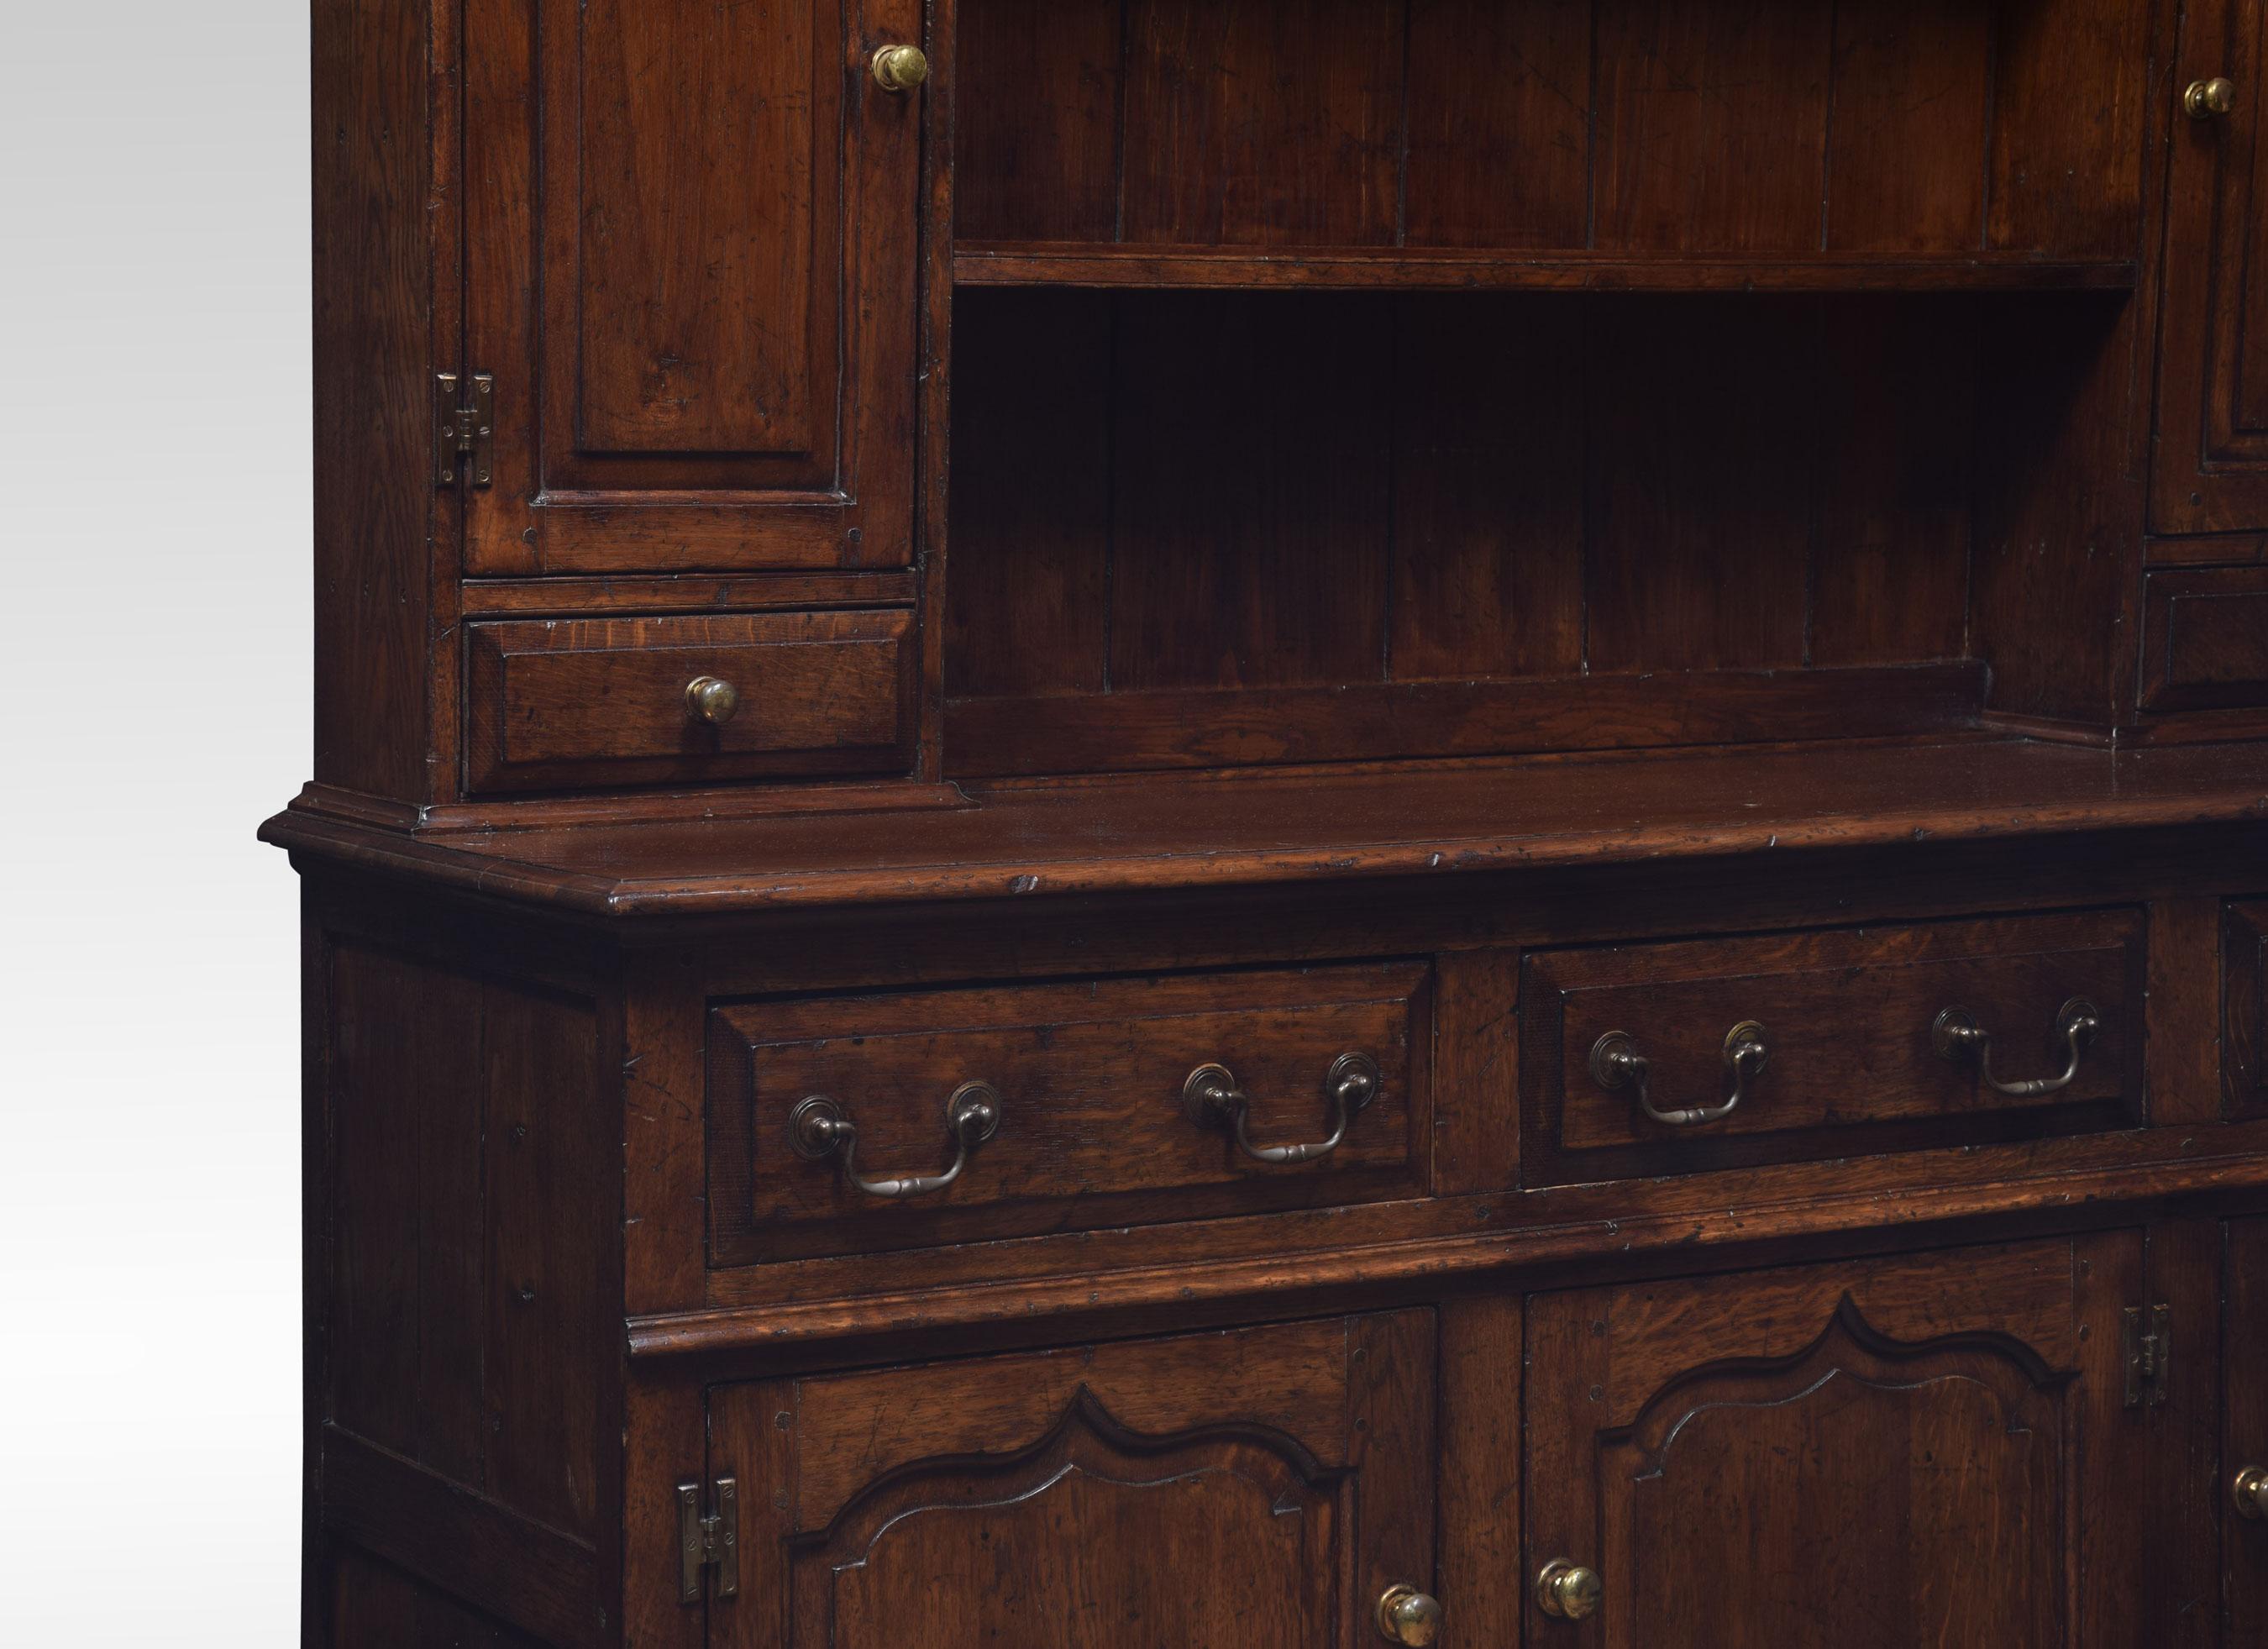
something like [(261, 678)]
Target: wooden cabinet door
[(1932, 1450), (1255, 1489), (2211, 471), (2244, 1442), (690, 234)]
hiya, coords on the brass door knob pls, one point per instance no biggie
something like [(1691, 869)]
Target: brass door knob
[(1567, 1591), (2209, 99), (899, 68), (711, 699), (1407, 1615), (2251, 1492)]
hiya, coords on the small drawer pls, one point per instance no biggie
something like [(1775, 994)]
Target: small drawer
[(1097, 1113), (1832, 1042), (2205, 639), (2244, 1021), (579, 701)]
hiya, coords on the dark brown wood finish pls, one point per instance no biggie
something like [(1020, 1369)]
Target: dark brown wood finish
[(1091, 1129), (1711, 1447), (599, 701), (692, 270), (1245, 533), (1258, 1486), (2210, 473), (2205, 643), (2244, 1433), (1848, 1019)]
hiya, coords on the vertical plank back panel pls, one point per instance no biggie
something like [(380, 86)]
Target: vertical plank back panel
[(1263, 123), (1488, 492), (1712, 125), (2068, 113), (1499, 145), (1035, 142), (1906, 149), (1701, 456), (1030, 533), (1897, 431), (1250, 510)]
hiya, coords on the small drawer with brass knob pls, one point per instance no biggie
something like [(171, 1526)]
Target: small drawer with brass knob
[(688, 700)]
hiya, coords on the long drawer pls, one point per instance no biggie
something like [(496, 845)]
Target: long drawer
[(1664, 1058), (848, 1125)]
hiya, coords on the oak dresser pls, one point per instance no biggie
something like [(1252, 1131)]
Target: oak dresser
[(1191, 824)]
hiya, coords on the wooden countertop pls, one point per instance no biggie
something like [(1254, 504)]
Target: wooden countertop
[(1253, 828)]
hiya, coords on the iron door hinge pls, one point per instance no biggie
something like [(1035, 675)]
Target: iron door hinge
[(708, 1542), (2149, 1350), (467, 440)]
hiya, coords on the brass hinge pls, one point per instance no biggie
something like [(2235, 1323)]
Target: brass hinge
[(708, 1542), (467, 432), (2149, 1350)]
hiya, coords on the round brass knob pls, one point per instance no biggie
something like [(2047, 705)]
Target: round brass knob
[(899, 68), (711, 699), (2251, 1492), (2209, 99), (1567, 1591), (1407, 1615)]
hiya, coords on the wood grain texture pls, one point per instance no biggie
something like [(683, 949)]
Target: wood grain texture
[(2244, 1431), (2210, 467), (1132, 732), (1232, 139), (1205, 1487), (374, 183), (2244, 1015), (1848, 1017), (1234, 429), (1710, 1443), (2205, 643), (695, 262), (463, 1291), (1318, 828), (2185, 1010), (1664, 128), (583, 700), (1091, 1129)]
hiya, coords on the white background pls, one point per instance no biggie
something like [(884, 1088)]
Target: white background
[(154, 707)]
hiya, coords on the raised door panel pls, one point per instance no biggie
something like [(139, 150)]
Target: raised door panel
[(2245, 1444), (1257, 1488), (1879, 1454), (2211, 464), (691, 244)]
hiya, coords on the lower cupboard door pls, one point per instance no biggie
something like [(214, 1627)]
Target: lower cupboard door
[(1931, 1450), (1260, 1489)]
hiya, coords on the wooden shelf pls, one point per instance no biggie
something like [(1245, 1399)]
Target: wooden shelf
[(1401, 270), (1304, 826)]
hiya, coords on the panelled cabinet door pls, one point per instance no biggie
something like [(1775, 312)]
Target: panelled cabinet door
[(1257, 1489), (2244, 1447), (690, 236), (2210, 472), (1933, 1450)]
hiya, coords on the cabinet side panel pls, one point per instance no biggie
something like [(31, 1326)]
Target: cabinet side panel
[(374, 392), (466, 1199), (375, 1607)]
